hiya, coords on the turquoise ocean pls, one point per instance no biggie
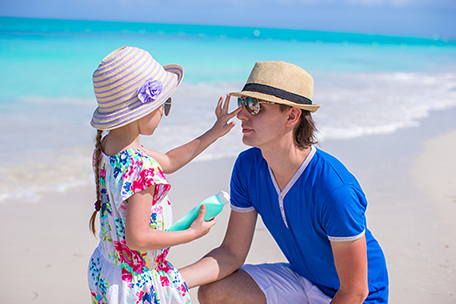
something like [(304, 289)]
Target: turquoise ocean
[(367, 84)]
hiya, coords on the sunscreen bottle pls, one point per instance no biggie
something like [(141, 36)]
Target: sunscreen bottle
[(214, 205)]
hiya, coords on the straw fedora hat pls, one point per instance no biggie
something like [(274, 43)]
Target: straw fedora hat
[(280, 82), (129, 84)]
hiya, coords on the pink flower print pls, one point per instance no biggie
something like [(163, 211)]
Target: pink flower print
[(126, 276), (140, 296), (148, 176), (132, 167), (159, 192), (103, 172), (164, 281), (183, 289), (164, 267), (144, 181), (137, 186), (94, 158), (94, 296), (130, 257), (161, 257), (160, 174), (123, 205), (161, 263)]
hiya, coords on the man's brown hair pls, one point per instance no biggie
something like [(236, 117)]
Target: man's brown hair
[(304, 133)]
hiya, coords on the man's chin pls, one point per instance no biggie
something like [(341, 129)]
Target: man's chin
[(247, 142)]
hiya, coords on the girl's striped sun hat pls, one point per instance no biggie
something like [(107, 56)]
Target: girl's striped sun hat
[(129, 84)]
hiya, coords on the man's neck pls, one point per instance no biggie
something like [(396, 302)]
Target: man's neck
[(284, 161)]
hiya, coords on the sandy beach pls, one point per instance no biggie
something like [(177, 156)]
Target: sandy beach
[(409, 178)]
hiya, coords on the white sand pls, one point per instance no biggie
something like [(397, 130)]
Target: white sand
[(409, 178)]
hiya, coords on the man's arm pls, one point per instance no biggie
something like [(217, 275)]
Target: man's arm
[(227, 258), (350, 259)]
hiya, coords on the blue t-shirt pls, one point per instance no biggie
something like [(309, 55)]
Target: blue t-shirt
[(323, 202)]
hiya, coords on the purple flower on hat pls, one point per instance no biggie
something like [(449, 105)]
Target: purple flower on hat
[(150, 90)]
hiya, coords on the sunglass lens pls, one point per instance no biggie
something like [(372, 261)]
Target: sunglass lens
[(240, 101), (251, 104), (167, 106)]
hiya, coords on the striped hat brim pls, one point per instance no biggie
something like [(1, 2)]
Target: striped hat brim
[(119, 117), (117, 80)]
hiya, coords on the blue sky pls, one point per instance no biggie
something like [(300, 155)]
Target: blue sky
[(399, 17)]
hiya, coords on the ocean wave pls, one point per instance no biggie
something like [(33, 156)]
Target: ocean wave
[(50, 147), (378, 103)]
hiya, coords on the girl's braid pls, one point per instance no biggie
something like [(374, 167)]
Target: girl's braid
[(97, 160)]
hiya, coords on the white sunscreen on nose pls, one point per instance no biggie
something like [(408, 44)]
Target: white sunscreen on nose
[(214, 205)]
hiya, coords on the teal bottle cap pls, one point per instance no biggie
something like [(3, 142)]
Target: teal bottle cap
[(223, 197)]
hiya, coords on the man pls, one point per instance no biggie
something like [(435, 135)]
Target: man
[(310, 203)]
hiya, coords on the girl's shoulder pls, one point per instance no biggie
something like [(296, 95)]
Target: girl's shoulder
[(131, 171), (135, 157), (134, 164)]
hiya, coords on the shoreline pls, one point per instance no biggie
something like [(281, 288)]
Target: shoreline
[(412, 203)]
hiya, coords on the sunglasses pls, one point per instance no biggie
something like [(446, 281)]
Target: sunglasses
[(167, 106), (251, 104)]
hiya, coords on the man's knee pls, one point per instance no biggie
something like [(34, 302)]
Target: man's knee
[(239, 287), (210, 293)]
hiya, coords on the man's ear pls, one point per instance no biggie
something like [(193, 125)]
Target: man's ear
[(293, 117)]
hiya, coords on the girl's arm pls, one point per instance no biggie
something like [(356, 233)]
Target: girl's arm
[(180, 156), (138, 234)]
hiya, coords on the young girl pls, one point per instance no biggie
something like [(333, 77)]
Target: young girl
[(129, 265)]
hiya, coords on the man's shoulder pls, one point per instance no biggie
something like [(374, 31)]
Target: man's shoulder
[(250, 155), (251, 152), (249, 161), (331, 172), (325, 155), (324, 158)]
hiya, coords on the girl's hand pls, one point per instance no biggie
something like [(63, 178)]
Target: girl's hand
[(180, 156), (199, 225), (221, 126)]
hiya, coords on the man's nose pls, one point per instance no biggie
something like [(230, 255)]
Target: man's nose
[(243, 115)]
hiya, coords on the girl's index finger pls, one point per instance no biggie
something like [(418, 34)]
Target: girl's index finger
[(235, 112)]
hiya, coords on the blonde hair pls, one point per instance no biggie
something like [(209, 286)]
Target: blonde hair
[(97, 160)]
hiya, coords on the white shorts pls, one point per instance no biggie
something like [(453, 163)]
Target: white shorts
[(281, 284)]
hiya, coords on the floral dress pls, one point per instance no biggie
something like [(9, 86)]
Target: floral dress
[(116, 273)]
